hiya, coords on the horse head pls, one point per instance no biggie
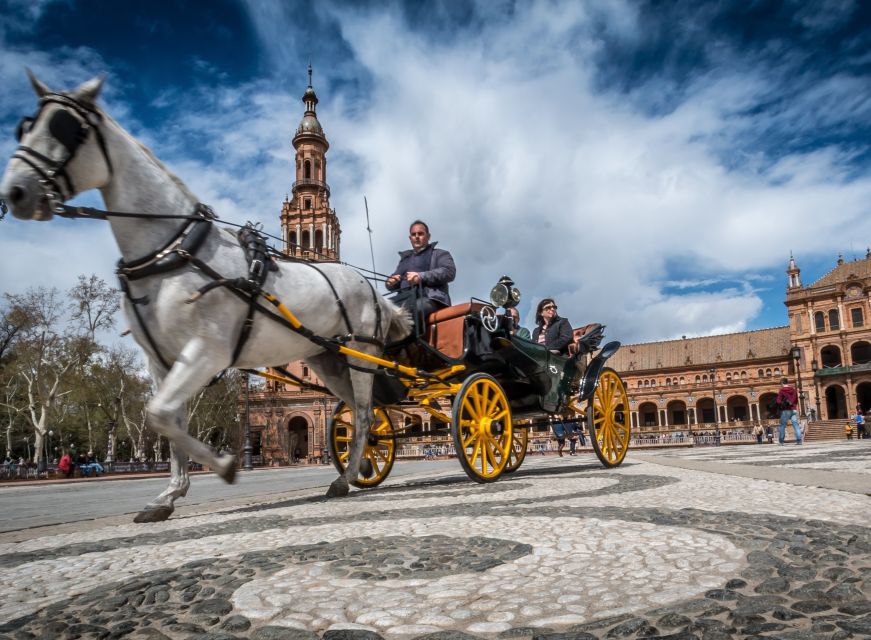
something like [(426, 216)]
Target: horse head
[(61, 152)]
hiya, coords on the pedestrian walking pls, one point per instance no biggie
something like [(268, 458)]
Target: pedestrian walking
[(559, 432), (861, 434), (787, 399), (758, 431), (65, 466)]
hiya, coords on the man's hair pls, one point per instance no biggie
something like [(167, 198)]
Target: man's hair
[(420, 222), (784, 381)]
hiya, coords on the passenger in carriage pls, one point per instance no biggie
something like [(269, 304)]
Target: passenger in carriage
[(516, 329), (552, 331), (426, 266)]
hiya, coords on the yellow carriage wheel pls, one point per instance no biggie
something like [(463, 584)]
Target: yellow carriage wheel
[(519, 441), (481, 428), (380, 451), (608, 419)]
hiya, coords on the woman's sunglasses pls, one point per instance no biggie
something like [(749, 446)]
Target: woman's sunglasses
[(548, 307)]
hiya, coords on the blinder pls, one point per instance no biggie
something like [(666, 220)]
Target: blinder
[(67, 129)]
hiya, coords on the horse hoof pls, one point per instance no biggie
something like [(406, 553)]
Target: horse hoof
[(366, 468), (228, 473), (154, 514), (338, 488)]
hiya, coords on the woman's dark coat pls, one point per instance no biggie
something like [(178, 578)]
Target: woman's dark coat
[(558, 336)]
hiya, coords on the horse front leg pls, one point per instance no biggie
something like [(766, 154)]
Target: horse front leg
[(166, 415), (163, 505)]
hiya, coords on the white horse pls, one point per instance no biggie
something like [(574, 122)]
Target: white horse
[(71, 146)]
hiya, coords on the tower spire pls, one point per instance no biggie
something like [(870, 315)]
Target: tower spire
[(793, 272)]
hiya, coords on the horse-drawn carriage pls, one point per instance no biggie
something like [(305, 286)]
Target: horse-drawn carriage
[(499, 385), (174, 251)]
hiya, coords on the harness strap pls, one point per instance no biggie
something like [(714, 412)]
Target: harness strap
[(135, 302), (336, 296)]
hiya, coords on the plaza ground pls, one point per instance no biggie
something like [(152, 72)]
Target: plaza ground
[(717, 542)]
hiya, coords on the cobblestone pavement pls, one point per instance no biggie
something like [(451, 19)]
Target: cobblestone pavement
[(562, 549)]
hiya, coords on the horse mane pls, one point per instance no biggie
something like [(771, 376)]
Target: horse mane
[(150, 155)]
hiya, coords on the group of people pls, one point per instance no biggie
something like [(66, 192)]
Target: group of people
[(858, 424), (86, 465)]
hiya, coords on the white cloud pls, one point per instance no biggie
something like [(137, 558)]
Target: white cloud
[(500, 140)]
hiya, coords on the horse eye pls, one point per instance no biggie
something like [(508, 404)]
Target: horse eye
[(23, 127)]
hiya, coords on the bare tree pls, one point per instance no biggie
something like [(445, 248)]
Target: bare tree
[(94, 304), (45, 355)]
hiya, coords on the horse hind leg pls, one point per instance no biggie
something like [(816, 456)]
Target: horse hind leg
[(163, 505), (361, 384)]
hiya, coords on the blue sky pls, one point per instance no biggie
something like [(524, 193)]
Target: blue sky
[(649, 164)]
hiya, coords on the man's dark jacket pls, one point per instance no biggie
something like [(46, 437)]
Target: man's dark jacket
[(558, 336), (435, 278)]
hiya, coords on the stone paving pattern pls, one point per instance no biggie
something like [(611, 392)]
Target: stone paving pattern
[(562, 549)]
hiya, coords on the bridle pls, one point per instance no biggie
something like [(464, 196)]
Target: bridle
[(70, 127)]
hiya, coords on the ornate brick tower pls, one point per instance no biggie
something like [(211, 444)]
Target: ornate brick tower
[(289, 424), (309, 227)]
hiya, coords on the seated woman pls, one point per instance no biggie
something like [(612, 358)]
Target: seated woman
[(552, 331)]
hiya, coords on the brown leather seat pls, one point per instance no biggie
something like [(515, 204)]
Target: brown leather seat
[(445, 328)]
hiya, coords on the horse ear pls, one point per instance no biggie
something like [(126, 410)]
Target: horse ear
[(40, 88), (89, 91)]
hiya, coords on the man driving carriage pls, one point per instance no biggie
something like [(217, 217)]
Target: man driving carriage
[(424, 265)]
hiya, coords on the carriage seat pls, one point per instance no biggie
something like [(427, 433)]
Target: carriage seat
[(578, 336), (446, 327)]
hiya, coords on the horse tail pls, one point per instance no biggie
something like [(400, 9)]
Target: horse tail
[(399, 322)]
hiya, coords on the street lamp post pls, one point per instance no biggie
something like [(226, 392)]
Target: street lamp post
[(814, 367), (690, 419), (247, 464), (48, 447), (714, 398), (795, 353)]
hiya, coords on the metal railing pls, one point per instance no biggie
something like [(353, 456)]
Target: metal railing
[(311, 182)]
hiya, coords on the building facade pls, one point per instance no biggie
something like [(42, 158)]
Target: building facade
[(729, 381)]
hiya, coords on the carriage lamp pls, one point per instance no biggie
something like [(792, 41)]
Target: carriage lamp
[(505, 294)]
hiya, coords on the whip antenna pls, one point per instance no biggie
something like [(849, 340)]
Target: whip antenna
[(369, 229)]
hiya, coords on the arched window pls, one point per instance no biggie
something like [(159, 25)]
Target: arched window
[(860, 352), (776, 372), (682, 381), (760, 373), (820, 321), (668, 382), (293, 237), (834, 322), (831, 357), (307, 170), (653, 383), (698, 379), (857, 317), (319, 240), (640, 384), (306, 240), (305, 372), (728, 377), (743, 376), (705, 377), (768, 373)]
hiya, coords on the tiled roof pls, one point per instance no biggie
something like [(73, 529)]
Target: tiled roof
[(709, 350), (858, 268)]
